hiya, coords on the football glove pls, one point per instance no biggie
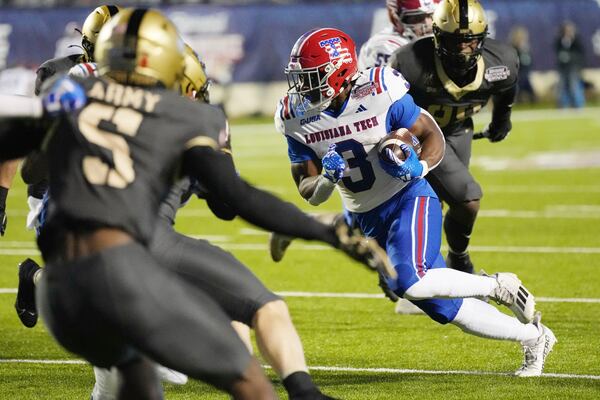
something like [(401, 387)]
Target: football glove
[(393, 297), (3, 221), (65, 95), (406, 170), (333, 164), (493, 137), (363, 250)]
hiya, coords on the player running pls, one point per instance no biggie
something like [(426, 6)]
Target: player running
[(333, 117), (453, 75)]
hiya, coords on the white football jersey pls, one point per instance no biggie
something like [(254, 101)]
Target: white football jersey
[(356, 131), (377, 50)]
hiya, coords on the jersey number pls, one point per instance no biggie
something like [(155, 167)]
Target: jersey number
[(125, 121), (444, 114), (358, 159)]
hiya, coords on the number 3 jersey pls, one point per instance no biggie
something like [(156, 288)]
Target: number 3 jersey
[(112, 162), (378, 104)]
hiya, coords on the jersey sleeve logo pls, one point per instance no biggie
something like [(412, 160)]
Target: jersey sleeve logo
[(358, 92), (495, 74)]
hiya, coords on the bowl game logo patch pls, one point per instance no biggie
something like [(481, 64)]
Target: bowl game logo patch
[(499, 73)]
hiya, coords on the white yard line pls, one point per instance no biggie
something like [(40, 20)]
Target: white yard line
[(402, 371)]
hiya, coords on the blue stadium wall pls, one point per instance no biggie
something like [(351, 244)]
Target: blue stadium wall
[(252, 43)]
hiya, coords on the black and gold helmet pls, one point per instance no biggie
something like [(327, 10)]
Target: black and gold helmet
[(458, 24), (91, 27), (194, 83), (141, 47)]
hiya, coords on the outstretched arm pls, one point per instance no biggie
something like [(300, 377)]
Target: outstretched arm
[(216, 171)]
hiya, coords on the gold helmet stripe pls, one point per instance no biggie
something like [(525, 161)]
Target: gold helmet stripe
[(112, 10), (463, 12)]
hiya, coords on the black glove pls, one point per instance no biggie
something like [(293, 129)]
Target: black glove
[(393, 297), (493, 135), (363, 250)]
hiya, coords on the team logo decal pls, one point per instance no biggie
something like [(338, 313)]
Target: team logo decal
[(499, 73), (334, 48)]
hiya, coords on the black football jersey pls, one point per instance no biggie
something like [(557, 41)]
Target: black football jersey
[(55, 66), (452, 106), (113, 161)]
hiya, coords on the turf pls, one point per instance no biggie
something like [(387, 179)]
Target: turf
[(540, 220)]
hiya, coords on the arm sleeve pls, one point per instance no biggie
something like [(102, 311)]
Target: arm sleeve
[(402, 113), (43, 73), (217, 173), (503, 102)]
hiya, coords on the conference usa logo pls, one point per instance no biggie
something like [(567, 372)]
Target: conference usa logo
[(334, 48)]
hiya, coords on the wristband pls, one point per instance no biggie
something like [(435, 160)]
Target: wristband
[(425, 168)]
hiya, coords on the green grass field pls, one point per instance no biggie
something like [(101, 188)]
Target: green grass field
[(540, 218)]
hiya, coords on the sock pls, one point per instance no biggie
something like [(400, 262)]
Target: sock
[(299, 383), (449, 283), (3, 195), (484, 320), (458, 234)]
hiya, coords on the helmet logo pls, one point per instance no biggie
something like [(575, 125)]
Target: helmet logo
[(334, 48)]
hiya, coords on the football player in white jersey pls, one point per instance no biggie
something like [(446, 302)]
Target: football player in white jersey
[(333, 117), (410, 20)]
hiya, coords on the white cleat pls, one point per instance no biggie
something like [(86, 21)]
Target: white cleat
[(511, 293), (536, 350), (171, 376), (405, 307)]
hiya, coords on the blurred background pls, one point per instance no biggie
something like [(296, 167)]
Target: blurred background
[(246, 44)]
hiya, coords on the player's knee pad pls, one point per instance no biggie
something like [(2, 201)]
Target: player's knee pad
[(442, 311)]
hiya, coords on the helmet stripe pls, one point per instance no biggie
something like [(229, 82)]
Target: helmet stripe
[(134, 22), (112, 10), (463, 10)]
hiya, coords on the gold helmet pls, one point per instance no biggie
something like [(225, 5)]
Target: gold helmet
[(194, 83), (457, 25), (91, 27), (141, 47)]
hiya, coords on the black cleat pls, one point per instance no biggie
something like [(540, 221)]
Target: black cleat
[(25, 304), (460, 262)]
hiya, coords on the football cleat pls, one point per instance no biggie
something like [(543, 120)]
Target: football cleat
[(278, 244), (25, 303), (170, 375), (364, 250), (405, 307), (511, 293), (536, 350)]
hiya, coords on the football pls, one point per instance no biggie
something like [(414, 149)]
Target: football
[(393, 141)]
